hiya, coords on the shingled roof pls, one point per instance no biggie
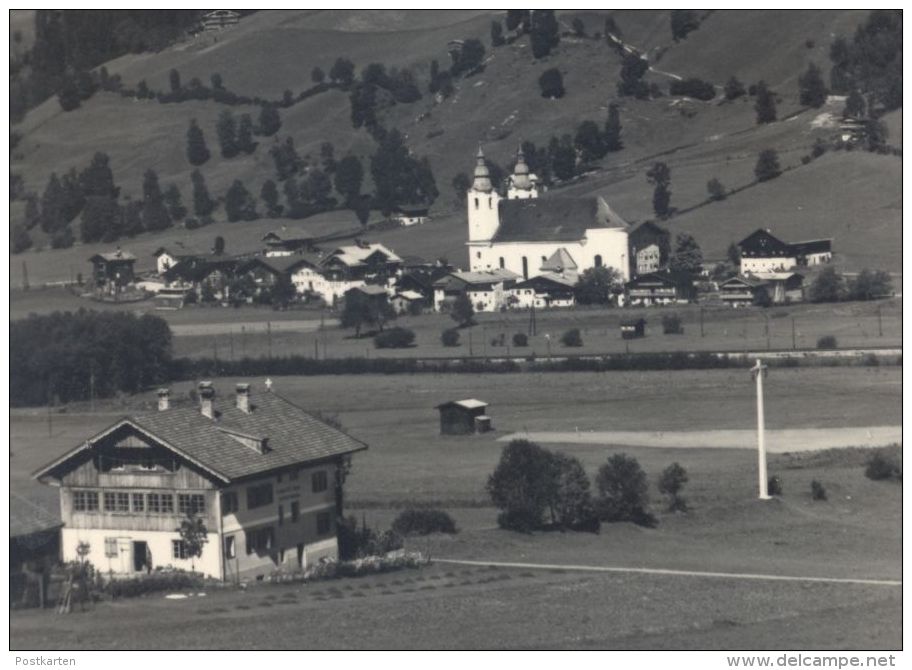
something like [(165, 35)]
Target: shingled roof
[(553, 219), (292, 437), (27, 517)]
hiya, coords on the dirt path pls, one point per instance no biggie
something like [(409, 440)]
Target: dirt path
[(679, 573), (777, 441)]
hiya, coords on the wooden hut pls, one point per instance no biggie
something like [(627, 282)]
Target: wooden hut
[(463, 417), (633, 328)]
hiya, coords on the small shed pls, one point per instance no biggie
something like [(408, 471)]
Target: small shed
[(464, 417), (633, 328)]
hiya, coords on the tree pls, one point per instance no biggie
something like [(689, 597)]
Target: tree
[(733, 253), (245, 132), (497, 38), (589, 141), (154, 214), (239, 204), (20, 240), (174, 79), (286, 159), (571, 506), (734, 89), (854, 106), (173, 201), (572, 338), (598, 286), (216, 81), (544, 33), (317, 75), (612, 138), (631, 81), (98, 179), (715, 189), (203, 205), (562, 157), (101, 220), (765, 104), (523, 485), (551, 83), (462, 311), (670, 484), (828, 286), (226, 130), (450, 337), (683, 21), (282, 291), (132, 219), (687, 255), (193, 534), (869, 285), (327, 156), (579, 28), (875, 134), (623, 491), (767, 165), (398, 176), (659, 175), (218, 245), (270, 121), (270, 195), (812, 89), (68, 96), (461, 185), (197, 151), (318, 189), (518, 18), (469, 59), (360, 309), (348, 179), (342, 72)]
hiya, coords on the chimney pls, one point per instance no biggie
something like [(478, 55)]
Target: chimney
[(164, 400), (242, 392), (207, 396)]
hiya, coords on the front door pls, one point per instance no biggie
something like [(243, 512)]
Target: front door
[(140, 556)]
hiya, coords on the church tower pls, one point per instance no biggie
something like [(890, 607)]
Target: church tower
[(522, 184), (481, 200)]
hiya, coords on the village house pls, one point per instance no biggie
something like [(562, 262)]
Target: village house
[(264, 476), (521, 231), (488, 291), (112, 271), (193, 272), (218, 19), (286, 241), (649, 249), (660, 288), (544, 291), (761, 251), (167, 257), (411, 214)]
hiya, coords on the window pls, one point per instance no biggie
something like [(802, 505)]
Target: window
[(324, 523), (476, 203), (122, 502), (230, 547), (154, 503), (178, 549), (259, 495), (167, 503), (279, 478), (319, 481), (525, 264), (110, 501), (293, 475), (281, 515), (138, 502), (295, 511), (191, 503), (478, 255), (259, 540), (85, 501), (598, 261), (229, 502), (110, 547)]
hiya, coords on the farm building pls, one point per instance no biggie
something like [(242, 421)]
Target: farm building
[(260, 472), (408, 302), (218, 19), (463, 417), (633, 328), (411, 215), (761, 251), (167, 257), (649, 249), (34, 549), (488, 291), (660, 288), (287, 240), (113, 271), (547, 290), (762, 288)]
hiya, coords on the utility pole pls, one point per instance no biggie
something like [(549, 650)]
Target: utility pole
[(767, 326), (231, 344), (316, 348), (758, 372), (471, 353), (92, 385), (701, 321), (269, 339), (879, 322), (244, 341), (532, 325), (793, 333)]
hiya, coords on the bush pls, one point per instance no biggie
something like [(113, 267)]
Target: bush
[(774, 486), (520, 340), (693, 88), (423, 522), (671, 324), (394, 338), (670, 484), (623, 491), (450, 337), (358, 542), (826, 342), (817, 491), (175, 580), (572, 338), (881, 467), (551, 83)]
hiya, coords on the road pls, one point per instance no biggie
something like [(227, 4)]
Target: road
[(777, 441), (290, 326)]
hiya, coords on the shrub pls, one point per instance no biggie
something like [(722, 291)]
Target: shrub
[(881, 467), (394, 338), (175, 580), (671, 324), (450, 337), (817, 491), (693, 88), (623, 491), (520, 340), (826, 342), (670, 484), (774, 486), (572, 338), (551, 83), (423, 522), (358, 542)]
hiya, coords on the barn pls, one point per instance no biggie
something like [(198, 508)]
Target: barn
[(464, 417)]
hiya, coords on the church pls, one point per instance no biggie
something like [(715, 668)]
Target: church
[(534, 236)]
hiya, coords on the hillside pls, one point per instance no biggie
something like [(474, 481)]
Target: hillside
[(853, 197)]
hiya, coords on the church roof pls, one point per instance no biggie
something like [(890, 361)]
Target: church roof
[(554, 219)]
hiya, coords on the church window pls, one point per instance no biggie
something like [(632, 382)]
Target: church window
[(502, 263), (476, 203), (477, 254), (525, 263), (490, 202)]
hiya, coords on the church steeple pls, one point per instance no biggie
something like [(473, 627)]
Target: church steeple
[(482, 179), (523, 184)]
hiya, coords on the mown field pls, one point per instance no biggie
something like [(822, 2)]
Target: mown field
[(855, 534)]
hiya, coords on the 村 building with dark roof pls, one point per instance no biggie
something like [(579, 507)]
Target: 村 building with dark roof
[(261, 473)]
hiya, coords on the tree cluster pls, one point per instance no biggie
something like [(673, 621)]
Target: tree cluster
[(693, 88), (872, 62), (831, 286)]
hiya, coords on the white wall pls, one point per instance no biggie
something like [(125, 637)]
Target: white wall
[(483, 216), (767, 264)]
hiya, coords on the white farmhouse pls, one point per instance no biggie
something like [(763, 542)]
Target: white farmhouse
[(521, 232)]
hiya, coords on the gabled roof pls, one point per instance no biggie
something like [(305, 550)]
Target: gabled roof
[(552, 278), (554, 219), (666, 278), (370, 289), (812, 247), (353, 255), (288, 234), (110, 256), (295, 437), (280, 265), (456, 280), (180, 250), (560, 260), (469, 403), (27, 517), (775, 276), (745, 280), (762, 240)]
